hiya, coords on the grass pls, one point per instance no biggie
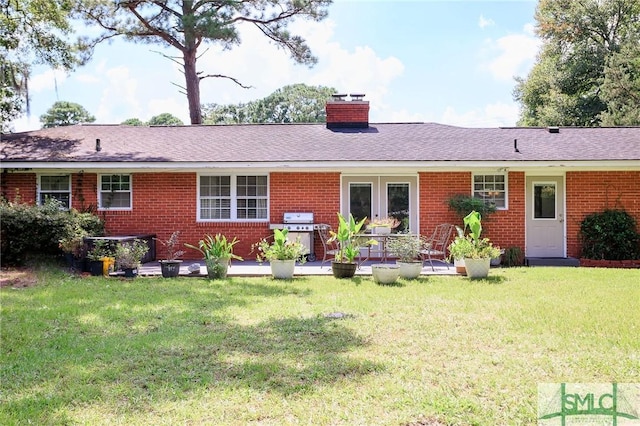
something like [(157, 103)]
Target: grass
[(435, 351)]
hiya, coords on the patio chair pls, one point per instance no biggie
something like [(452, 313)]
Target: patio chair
[(435, 246), (329, 248)]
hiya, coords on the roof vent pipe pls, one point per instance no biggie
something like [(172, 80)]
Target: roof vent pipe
[(553, 129), (98, 147), (515, 145)]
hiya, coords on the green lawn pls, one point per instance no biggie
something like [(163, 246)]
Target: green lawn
[(438, 350)]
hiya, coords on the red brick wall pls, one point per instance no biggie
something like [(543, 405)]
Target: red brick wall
[(306, 192), (342, 112), (504, 227), (165, 202), (589, 192), (19, 184)]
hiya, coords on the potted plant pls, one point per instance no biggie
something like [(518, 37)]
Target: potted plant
[(98, 255), (407, 249), (129, 255), (349, 243), (383, 225), (476, 251), (74, 248), (170, 266), (458, 262), (280, 253), (217, 252)]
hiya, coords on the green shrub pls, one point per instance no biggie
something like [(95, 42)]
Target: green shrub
[(463, 204), (610, 235), (27, 229)]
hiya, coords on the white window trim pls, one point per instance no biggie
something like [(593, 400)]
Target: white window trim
[(39, 190), (100, 207), (234, 198), (506, 186)]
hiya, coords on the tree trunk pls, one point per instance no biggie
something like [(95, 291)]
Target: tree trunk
[(193, 86)]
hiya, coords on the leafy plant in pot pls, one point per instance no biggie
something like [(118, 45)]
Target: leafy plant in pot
[(170, 267), (349, 243), (129, 255), (217, 252), (476, 251), (74, 248), (407, 249), (99, 254), (281, 254)]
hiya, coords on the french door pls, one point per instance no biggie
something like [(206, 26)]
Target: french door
[(382, 196)]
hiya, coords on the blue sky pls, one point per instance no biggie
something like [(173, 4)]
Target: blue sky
[(450, 62)]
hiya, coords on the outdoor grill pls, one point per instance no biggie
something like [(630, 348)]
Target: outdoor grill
[(300, 227)]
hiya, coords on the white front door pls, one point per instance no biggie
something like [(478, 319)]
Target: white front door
[(545, 234)]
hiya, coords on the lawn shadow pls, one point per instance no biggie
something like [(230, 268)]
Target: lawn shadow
[(156, 343)]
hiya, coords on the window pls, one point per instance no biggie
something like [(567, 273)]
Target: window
[(360, 200), (544, 200), (233, 197), (58, 187), (115, 192), (492, 189)]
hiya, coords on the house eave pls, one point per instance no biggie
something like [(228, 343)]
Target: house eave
[(294, 166)]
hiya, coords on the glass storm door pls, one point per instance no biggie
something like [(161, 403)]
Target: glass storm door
[(545, 217)]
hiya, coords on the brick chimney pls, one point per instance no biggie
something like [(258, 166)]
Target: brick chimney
[(342, 114)]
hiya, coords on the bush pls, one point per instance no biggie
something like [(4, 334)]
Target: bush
[(26, 229), (610, 235)]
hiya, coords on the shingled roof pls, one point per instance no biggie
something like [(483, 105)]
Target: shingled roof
[(398, 142)]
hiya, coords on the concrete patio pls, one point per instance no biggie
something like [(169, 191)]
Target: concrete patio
[(250, 268)]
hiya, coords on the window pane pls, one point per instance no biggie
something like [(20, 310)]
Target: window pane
[(398, 204), (360, 200), (63, 197), (54, 183), (544, 201), (491, 189), (115, 191)]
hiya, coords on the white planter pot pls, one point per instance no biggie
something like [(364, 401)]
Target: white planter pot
[(282, 269), (459, 265), (382, 230), (385, 274), (409, 270), (477, 268)]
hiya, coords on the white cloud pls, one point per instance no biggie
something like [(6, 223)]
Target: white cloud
[(258, 63), (119, 99), (511, 55), (498, 114), (47, 80), (484, 22)]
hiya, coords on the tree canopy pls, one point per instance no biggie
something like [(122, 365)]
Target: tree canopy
[(165, 119), (186, 25), (64, 113), (33, 32), (587, 71), (296, 103)]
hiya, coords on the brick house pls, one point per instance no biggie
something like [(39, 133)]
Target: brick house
[(239, 179)]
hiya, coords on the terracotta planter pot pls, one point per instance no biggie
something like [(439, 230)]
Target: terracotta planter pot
[(459, 265), (283, 269), (477, 268), (343, 270)]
